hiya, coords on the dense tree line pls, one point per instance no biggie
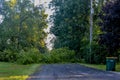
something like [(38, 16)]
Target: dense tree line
[(71, 22), (22, 26), (22, 31), (110, 27), (71, 28)]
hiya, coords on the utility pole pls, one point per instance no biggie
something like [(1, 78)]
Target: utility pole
[(91, 26)]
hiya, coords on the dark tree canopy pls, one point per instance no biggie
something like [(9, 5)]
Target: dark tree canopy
[(70, 19), (110, 27)]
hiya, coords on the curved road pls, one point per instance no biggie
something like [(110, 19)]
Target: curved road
[(72, 72)]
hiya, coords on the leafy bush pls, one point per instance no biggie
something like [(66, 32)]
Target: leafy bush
[(3, 56), (97, 56), (60, 55), (28, 57), (33, 55), (23, 57), (8, 56), (46, 58)]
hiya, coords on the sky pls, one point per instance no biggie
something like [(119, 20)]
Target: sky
[(45, 3), (42, 1), (50, 38)]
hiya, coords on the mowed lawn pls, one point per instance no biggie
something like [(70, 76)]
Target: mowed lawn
[(14, 71), (101, 66)]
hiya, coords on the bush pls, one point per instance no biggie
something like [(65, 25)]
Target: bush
[(33, 55), (97, 56), (8, 56), (60, 55), (3, 56), (46, 58), (28, 57)]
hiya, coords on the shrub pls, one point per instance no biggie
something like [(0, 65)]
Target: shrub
[(28, 57), (3, 56), (8, 56), (61, 55), (46, 58), (97, 56)]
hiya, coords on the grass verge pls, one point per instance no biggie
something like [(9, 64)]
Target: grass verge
[(12, 71), (101, 66), (96, 66)]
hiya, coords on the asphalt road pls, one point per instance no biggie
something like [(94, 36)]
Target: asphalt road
[(72, 72)]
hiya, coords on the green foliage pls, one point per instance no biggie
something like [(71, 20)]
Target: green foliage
[(46, 58), (70, 19), (22, 26), (97, 56), (21, 30), (98, 52), (110, 27), (23, 57), (2, 56), (71, 28), (28, 57), (8, 56), (60, 55)]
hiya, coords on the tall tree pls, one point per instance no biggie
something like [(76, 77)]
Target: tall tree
[(110, 27), (71, 20), (23, 25)]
